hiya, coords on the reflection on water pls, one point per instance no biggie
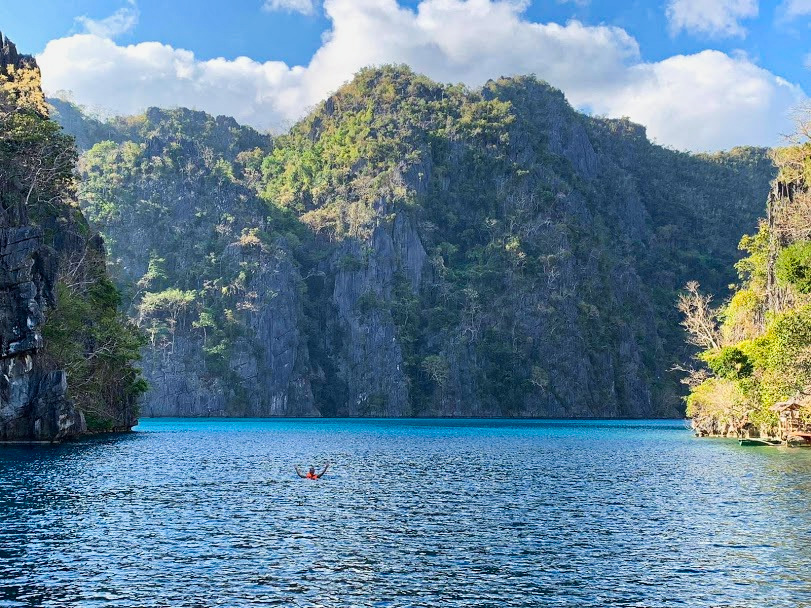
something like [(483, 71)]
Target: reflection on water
[(204, 513)]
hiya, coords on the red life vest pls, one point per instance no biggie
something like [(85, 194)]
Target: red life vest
[(311, 475)]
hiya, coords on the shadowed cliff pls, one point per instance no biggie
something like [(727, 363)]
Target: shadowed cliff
[(65, 350)]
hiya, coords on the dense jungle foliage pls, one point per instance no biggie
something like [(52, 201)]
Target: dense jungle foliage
[(757, 346)]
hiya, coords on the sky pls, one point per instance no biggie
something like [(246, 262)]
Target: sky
[(701, 75)]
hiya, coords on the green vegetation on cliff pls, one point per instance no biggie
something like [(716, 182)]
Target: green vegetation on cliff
[(412, 248), (197, 255), (757, 346), (84, 334)]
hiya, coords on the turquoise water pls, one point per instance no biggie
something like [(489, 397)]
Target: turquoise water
[(198, 513)]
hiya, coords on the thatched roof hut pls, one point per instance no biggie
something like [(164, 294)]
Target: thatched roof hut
[(789, 413), (792, 405)]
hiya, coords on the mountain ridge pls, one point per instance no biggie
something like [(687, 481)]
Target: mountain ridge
[(436, 251)]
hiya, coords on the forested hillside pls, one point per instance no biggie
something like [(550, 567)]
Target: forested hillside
[(66, 351), (757, 345), (412, 248)]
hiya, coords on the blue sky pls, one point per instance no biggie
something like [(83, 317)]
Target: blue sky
[(700, 74)]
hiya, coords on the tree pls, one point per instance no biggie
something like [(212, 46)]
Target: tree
[(700, 320), (156, 275), (436, 368), (205, 321), (765, 354), (37, 162), (87, 336), (171, 303)]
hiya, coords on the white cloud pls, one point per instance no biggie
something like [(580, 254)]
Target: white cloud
[(305, 7), (120, 22), (791, 9), (718, 18), (704, 101)]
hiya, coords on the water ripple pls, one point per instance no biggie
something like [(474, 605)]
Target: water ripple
[(203, 513)]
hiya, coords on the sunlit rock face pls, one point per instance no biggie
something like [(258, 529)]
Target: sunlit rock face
[(413, 249)]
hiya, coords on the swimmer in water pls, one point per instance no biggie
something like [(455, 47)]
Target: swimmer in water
[(311, 474)]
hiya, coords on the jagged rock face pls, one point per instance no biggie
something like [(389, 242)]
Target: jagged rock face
[(578, 336), (253, 359), (269, 366), (511, 258), (33, 398), (49, 253), (33, 401), (369, 354), (579, 379)]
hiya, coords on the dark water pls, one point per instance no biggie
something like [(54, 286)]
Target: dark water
[(414, 513)]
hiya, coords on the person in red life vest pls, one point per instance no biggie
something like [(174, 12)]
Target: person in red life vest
[(311, 474)]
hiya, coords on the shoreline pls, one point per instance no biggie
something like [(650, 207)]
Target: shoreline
[(511, 418)]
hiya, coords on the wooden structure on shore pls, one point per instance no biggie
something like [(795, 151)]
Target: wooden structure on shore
[(793, 429)]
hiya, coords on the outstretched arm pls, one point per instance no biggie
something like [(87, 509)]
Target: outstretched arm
[(299, 472), (321, 474)]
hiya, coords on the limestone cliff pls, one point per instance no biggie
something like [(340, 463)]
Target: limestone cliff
[(45, 246), (33, 400), (412, 249), (497, 254)]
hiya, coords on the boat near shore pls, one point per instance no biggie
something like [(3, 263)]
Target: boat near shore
[(799, 440), (792, 429), (756, 442)]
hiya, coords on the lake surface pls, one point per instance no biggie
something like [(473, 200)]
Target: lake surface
[(198, 513)]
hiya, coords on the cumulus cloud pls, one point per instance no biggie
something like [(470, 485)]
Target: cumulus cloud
[(718, 18), (704, 101), (450, 40), (305, 7), (120, 22)]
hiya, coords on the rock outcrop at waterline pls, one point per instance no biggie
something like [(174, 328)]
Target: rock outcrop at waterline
[(33, 401), (45, 247)]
